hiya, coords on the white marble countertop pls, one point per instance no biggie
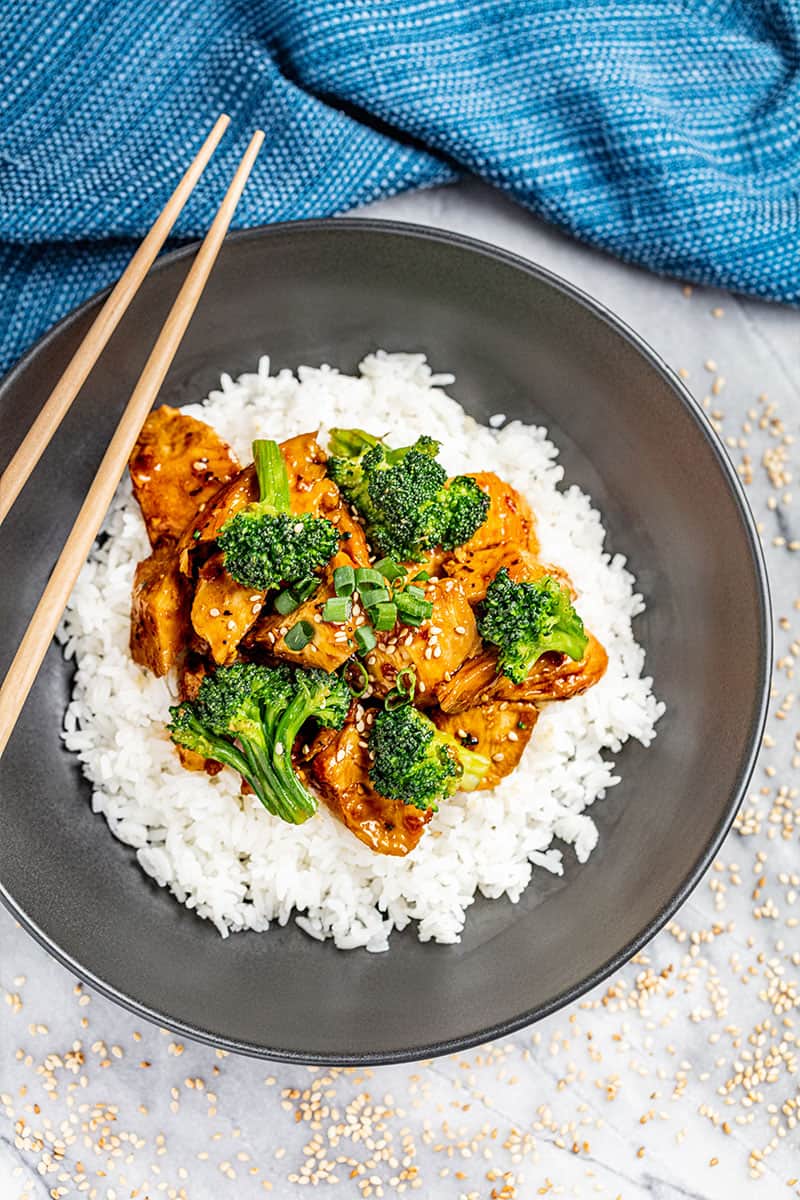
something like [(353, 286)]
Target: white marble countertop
[(677, 1079)]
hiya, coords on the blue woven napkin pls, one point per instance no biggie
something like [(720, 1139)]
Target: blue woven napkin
[(667, 132)]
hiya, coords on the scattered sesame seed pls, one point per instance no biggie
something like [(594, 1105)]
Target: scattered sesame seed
[(701, 1027)]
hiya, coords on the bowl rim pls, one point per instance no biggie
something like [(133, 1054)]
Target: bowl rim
[(750, 753)]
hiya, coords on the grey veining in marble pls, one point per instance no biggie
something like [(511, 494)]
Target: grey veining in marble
[(677, 1080)]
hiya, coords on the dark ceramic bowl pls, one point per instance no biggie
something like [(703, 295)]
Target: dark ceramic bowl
[(522, 342)]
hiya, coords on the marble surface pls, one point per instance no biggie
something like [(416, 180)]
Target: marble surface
[(677, 1079)]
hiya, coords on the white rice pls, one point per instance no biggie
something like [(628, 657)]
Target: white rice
[(224, 855)]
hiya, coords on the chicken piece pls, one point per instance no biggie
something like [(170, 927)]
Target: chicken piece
[(242, 489), (554, 677), (340, 772), (499, 731), (223, 610), (477, 572), (330, 646), (434, 650), (305, 463), (191, 673), (159, 612), (310, 491), (506, 539), (509, 520), (323, 499), (471, 685), (177, 464)]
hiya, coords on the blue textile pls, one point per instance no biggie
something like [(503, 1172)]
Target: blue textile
[(665, 131)]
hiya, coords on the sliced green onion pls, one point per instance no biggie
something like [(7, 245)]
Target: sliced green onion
[(390, 569), (344, 581), (411, 606), (306, 588), (406, 682), (336, 610), (403, 691), (368, 575), (357, 668), (423, 575), (416, 592), (286, 602), (408, 619), (384, 616), (300, 635), (365, 639), (374, 595)]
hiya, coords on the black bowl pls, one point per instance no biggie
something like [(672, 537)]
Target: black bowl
[(522, 342)]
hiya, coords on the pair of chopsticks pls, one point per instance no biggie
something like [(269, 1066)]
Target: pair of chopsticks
[(44, 622)]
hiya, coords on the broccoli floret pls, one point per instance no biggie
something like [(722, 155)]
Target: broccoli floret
[(265, 545), (248, 716), (466, 508), (417, 763), (403, 496), (526, 620)]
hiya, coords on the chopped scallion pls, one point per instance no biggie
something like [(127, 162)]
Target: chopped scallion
[(365, 639), (344, 581), (368, 575), (411, 606), (403, 691), (336, 610), (384, 616), (306, 588), (300, 635), (373, 595), (390, 569), (416, 592), (358, 670), (286, 602), (406, 681)]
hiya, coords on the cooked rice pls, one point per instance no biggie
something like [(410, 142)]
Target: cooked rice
[(222, 854)]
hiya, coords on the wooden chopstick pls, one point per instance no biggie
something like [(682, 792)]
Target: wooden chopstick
[(43, 624), (52, 414)]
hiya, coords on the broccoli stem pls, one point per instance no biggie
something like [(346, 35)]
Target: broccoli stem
[(273, 478), (299, 799), (218, 750), (349, 443), (474, 766), (267, 783), (245, 762), (566, 642)]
